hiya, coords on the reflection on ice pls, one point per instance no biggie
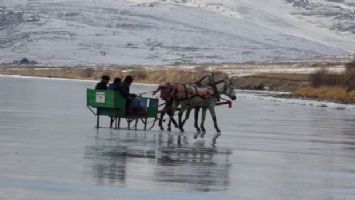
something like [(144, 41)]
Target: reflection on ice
[(167, 160)]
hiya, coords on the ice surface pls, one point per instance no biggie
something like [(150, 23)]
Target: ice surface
[(49, 149)]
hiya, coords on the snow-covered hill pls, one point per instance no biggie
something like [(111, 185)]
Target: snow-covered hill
[(151, 32)]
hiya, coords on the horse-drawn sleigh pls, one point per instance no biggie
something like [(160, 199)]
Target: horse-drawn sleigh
[(185, 98)]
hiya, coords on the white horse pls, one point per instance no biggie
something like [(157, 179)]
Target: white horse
[(204, 81), (189, 96)]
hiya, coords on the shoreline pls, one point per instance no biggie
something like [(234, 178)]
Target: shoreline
[(141, 75), (277, 96), (273, 81), (293, 82)]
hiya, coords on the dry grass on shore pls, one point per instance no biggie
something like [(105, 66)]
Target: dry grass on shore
[(274, 81), (140, 75), (329, 93), (277, 82)]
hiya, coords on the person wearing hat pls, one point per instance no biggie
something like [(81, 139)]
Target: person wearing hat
[(102, 85)]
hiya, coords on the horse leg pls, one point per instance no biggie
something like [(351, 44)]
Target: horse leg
[(197, 110), (187, 115), (213, 114), (169, 125), (161, 120), (203, 121), (171, 119), (180, 122), (174, 122)]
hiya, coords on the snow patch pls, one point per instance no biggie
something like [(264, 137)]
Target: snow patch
[(268, 96), (147, 32)]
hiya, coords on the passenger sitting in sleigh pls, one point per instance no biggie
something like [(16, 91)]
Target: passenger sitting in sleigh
[(133, 106), (102, 85)]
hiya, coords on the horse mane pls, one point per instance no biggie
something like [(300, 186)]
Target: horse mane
[(202, 78), (219, 82)]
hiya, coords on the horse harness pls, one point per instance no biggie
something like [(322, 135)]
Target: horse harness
[(203, 95)]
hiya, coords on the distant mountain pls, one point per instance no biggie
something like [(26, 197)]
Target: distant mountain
[(152, 32)]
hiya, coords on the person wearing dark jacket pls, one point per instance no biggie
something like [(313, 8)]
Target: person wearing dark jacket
[(115, 85), (102, 85), (124, 90)]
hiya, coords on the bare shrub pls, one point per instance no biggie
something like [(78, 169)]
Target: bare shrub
[(350, 66), (319, 77), (325, 78), (349, 76)]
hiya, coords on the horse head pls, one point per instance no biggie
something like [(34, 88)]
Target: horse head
[(230, 90), (226, 87)]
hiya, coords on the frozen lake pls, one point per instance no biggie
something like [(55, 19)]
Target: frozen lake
[(269, 150)]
